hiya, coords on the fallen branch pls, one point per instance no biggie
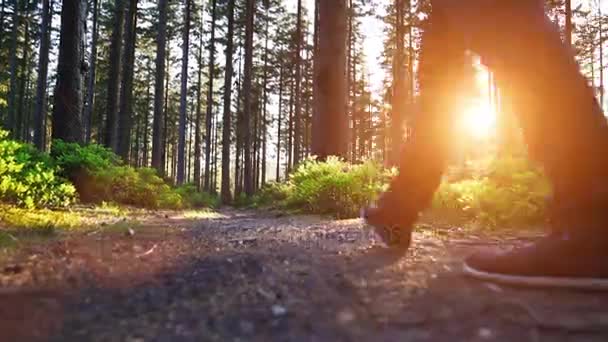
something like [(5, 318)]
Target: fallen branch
[(148, 252)]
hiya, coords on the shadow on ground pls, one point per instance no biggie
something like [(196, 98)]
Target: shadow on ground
[(251, 276)]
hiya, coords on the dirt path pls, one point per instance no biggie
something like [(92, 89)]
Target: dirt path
[(241, 276)]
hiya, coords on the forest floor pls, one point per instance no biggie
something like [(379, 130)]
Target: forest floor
[(253, 276)]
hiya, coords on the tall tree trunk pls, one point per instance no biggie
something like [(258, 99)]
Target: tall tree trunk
[(199, 113), (2, 18), (111, 139), (11, 120), (279, 122), (330, 122), (146, 154), (568, 15), (226, 196), (399, 84), (25, 73), (265, 94), (290, 131), (183, 105), (90, 102), (159, 89), (67, 124), (238, 183), (43, 67), (601, 43), (297, 136), (250, 14), (208, 126), (125, 119)]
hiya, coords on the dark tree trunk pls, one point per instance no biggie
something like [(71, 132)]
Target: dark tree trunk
[(2, 18), (265, 94), (399, 85), (111, 139), (43, 67), (146, 148), (183, 105), (330, 122), (67, 124), (568, 15), (248, 105), (125, 119), (279, 121), (90, 102), (22, 121), (159, 89), (226, 196), (297, 134), (208, 126), (11, 120), (199, 115)]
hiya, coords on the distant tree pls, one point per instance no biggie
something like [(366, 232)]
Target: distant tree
[(113, 94), (181, 147), (227, 116), (159, 89), (43, 67)]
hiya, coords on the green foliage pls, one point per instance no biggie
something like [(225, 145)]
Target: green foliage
[(28, 178), (41, 220), (100, 177), (332, 187), (197, 199), (73, 157), (512, 192)]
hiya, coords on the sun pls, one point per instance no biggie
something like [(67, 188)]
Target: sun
[(479, 120)]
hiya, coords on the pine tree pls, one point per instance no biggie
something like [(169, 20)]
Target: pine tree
[(181, 153), (67, 123), (43, 66)]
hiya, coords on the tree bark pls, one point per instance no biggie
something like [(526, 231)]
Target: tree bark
[(199, 114), (12, 90), (90, 102), (125, 118), (330, 122), (249, 27), (297, 135), (67, 124), (226, 196), (183, 105), (568, 15), (159, 89), (111, 136), (208, 127), (43, 67), (21, 122)]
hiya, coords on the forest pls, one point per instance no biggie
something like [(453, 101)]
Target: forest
[(204, 170), (219, 97)]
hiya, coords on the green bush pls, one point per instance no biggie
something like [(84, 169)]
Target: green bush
[(197, 199), (335, 187), (73, 158), (512, 192), (28, 177)]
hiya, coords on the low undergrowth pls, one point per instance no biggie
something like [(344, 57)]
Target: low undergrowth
[(508, 191)]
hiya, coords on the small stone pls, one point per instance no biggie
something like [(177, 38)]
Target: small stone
[(278, 310), (130, 232), (485, 333), (346, 316)]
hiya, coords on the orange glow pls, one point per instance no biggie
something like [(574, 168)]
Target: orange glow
[(479, 120)]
